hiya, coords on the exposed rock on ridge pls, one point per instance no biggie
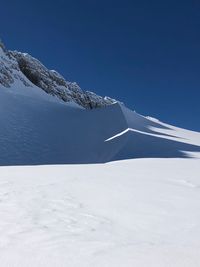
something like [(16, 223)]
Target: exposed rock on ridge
[(15, 65)]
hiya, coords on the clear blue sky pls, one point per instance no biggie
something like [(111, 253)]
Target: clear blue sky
[(144, 53)]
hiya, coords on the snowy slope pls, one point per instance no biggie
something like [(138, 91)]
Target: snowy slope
[(142, 209), (136, 212), (143, 212), (38, 129)]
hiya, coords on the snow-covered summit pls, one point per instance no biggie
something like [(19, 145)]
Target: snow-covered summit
[(16, 66)]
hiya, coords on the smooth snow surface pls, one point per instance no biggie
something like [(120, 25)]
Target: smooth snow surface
[(142, 213)]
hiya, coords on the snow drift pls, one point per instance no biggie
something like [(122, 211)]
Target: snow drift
[(35, 130)]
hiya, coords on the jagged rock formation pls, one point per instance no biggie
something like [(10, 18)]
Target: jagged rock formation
[(15, 65), (9, 69)]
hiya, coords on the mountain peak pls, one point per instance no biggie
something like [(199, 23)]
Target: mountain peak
[(29, 70)]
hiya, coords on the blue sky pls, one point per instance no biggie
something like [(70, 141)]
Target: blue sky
[(144, 53)]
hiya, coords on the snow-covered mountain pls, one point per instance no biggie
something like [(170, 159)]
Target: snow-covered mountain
[(41, 128), (142, 209)]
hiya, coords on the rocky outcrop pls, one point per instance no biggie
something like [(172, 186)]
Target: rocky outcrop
[(9, 69), (21, 66), (53, 83)]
